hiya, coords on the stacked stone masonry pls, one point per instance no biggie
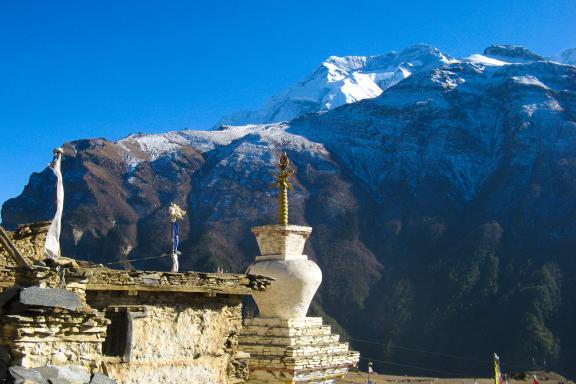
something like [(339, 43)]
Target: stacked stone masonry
[(294, 351), (64, 318), (46, 338)]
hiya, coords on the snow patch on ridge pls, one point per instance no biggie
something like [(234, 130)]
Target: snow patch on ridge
[(153, 146), (529, 80), (485, 60), (157, 145)]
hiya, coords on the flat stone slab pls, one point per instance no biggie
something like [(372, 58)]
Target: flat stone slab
[(48, 372), (21, 374), (64, 374), (74, 374), (50, 297), (68, 374)]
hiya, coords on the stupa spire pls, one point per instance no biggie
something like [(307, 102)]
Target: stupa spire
[(283, 184)]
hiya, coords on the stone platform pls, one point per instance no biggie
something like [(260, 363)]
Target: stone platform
[(294, 351)]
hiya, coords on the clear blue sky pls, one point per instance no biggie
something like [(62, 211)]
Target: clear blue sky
[(79, 69)]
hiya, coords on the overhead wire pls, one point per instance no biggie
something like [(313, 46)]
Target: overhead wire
[(441, 354), (131, 260), (422, 351), (451, 373)]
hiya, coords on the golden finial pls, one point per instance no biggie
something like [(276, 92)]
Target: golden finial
[(175, 212), (283, 185)]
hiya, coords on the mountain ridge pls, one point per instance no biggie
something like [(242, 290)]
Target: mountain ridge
[(445, 199), (348, 79), (342, 80)]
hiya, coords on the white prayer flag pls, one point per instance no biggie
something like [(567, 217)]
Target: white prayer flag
[(52, 245)]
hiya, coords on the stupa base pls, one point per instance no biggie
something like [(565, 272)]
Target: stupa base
[(294, 351)]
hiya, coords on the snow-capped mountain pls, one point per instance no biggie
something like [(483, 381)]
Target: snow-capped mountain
[(447, 198), (398, 136), (343, 80)]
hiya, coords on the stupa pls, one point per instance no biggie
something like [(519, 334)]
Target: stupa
[(285, 345)]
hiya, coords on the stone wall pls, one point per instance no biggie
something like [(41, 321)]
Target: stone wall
[(48, 338), (29, 240), (7, 277), (176, 338), (5, 259), (170, 337), (59, 316), (49, 329)]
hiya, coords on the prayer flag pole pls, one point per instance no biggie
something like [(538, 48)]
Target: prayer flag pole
[(176, 213), (370, 370), (497, 373)]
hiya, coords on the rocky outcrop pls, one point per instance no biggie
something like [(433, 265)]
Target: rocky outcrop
[(513, 52)]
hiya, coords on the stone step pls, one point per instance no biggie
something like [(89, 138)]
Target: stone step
[(288, 341), (276, 331), (304, 362), (284, 323), (294, 351), (321, 376)]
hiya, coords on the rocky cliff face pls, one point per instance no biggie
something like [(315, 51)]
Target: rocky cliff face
[(443, 209)]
